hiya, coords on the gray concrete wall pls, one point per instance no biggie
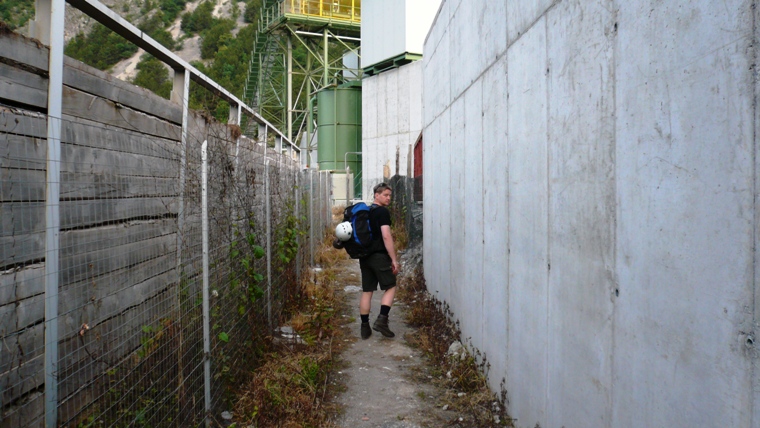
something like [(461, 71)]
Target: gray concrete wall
[(391, 123), (592, 165)]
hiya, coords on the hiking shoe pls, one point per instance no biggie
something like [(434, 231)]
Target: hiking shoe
[(381, 325), (366, 331)]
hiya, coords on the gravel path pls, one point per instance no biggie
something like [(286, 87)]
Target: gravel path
[(380, 390)]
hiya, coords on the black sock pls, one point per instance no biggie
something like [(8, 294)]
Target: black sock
[(365, 318), (384, 310)]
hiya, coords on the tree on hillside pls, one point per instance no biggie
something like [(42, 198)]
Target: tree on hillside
[(101, 48), (198, 20), (216, 37), (153, 75)]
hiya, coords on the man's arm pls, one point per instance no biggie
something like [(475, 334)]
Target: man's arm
[(388, 241)]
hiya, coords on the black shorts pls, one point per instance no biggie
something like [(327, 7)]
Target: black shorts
[(377, 268)]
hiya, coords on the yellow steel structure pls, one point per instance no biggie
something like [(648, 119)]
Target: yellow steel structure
[(345, 10)]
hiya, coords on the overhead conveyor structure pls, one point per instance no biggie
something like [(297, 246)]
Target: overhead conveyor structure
[(302, 47)]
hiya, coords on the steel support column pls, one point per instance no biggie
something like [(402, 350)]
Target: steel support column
[(52, 208)]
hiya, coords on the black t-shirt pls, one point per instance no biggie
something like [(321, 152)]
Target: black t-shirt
[(379, 216)]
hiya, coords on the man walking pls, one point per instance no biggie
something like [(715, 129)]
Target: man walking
[(380, 267)]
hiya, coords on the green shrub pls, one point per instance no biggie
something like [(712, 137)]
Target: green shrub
[(216, 37), (101, 48), (198, 20), (252, 10), (16, 13), (153, 75)]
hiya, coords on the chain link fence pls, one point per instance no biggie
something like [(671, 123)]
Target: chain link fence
[(177, 250)]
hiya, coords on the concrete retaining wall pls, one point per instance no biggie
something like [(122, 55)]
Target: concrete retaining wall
[(391, 123), (593, 165)]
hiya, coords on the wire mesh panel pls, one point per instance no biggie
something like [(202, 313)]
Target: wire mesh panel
[(134, 194)]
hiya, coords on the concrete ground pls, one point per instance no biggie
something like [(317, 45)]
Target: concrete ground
[(380, 386)]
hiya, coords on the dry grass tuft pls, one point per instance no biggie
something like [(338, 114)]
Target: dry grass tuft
[(337, 212), (461, 376), (292, 385), (326, 255)]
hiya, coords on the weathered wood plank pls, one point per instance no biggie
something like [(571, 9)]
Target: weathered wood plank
[(88, 79), (148, 158), (19, 185), (22, 87), (31, 124), (102, 161), (107, 296), (23, 379), (22, 225), (80, 104), (21, 249), (24, 185), (92, 266), (22, 283), (94, 306), (18, 48), (23, 152), (108, 186), (22, 314), (112, 339), (18, 219), (87, 133), (22, 346), (30, 246), (87, 213), (87, 255), (29, 413), (112, 236)]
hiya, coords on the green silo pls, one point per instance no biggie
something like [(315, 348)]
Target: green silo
[(339, 127)]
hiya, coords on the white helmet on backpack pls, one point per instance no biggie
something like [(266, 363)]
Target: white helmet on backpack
[(344, 231)]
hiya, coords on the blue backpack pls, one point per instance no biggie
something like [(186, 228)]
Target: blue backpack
[(361, 244)]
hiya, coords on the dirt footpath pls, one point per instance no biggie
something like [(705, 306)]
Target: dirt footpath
[(380, 390)]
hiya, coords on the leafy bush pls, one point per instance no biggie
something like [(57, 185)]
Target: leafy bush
[(153, 75), (252, 9), (101, 48), (216, 37), (198, 20), (16, 13), (154, 26), (171, 9)]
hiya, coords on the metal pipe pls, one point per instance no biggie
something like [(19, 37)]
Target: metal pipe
[(326, 71), (205, 285), (345, 163), (52, 209), (333, 36), (268, 213), (297, 190), (310, 130), (311, 218), (181, 95), (289, 87)]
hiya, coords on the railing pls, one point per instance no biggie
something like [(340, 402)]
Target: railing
[(337, 10)]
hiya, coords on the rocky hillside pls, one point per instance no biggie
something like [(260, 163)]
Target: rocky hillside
[(213, 35)]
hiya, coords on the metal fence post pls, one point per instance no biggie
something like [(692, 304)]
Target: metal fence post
[(206, 315), (181, 94), (268, 213), (311, 218), (297, 190), (52, 209)]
